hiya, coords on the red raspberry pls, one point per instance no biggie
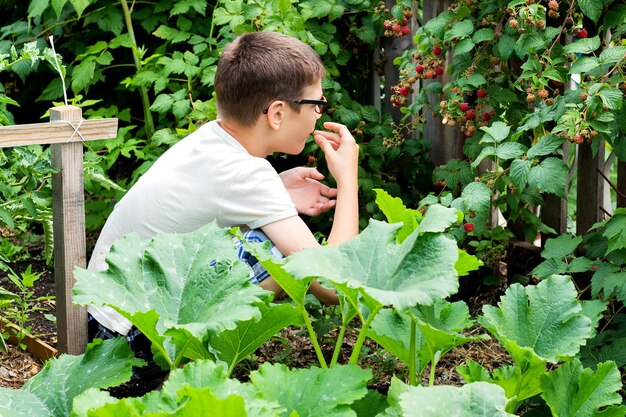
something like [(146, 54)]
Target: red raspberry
[(405, 22), (469, 227), (404, 91), (396, 27), (439, 70), (470, 115), (419, 69), (481, 94), (464, 107), (312, 159), (405, 30), (578, 139), (582, 34), (486, 116), (437, 50)]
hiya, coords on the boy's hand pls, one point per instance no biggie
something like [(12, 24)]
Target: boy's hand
[(341, 151), (311, 197)]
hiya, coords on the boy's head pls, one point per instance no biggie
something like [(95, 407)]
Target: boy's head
[(258, 68)]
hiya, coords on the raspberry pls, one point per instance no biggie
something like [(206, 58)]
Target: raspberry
[(543, 94), (405, 30), (439, 70), (464, 107), (404, 91), (431, 74), (553, 5), (481, 94), (578, 139), (582, 34), (470, 115), (312, 159), (419, 69), (395, 27), (468, 133), (513, 23), (486, 116), (437, 50), (469, 227), (405, 22)]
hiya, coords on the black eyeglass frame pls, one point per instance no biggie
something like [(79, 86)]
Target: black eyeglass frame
[(318, 103)]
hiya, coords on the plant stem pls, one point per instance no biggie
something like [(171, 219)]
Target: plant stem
[(412, 352), (338, 344), (356, 351), (143, 92), (316, 345)]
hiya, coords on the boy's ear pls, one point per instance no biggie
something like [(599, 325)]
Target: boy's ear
[(275, 114)]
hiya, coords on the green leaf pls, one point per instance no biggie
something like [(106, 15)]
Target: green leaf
[(420, 270), (464, 46), (478, 399), (520, 170), (609, 281), (476, 197), (51, 391), (467, 263), (497, 132), (80, 6), (232, 346), (612, 55), (615, 232), (83, 75), (396, 212), (57, 6), (370, 113), (547, 144), (584, 64), (591, 8), (549, 176), (438, 219), (328, 391), (611, 97), (573, 391), (156, 285), (459, 30), (484, 34), (506, 46), (37, 7), (561, 247), (543, 320), (582, 46), (510, 150)]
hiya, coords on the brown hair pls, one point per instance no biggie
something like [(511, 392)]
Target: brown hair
[(260, 67)]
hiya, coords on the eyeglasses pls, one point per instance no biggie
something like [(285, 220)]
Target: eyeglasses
[(320, 105)]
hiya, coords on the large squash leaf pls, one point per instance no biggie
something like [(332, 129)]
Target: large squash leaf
[(545, 320), (197, 387), (572, 391), (478, 399), (51, 391), (177, 285), (420, 270), (314, 391)]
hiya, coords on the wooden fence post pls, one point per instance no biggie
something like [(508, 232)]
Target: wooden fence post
[(68, 207), (590, 188), (621, 182)]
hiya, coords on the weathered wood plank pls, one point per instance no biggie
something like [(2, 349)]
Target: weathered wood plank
[(57, 132), (68, 206), (590, 191)]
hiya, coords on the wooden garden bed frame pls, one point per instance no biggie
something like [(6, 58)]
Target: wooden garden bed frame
[(65, 133)]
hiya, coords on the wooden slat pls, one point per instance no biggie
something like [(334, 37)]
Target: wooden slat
[(590, 190), (39, 348), (68, 206), (57, 132)]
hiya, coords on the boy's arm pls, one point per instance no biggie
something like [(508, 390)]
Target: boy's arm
[(292, 234)]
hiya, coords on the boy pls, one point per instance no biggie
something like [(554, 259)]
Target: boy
[(269, 96)]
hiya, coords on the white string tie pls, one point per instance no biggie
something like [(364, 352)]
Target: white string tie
[(76, 131)]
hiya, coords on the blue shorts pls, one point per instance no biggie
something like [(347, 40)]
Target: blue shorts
[(257, 272)]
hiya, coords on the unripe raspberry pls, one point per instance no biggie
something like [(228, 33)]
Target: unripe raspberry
[(513, 23), (530, 98), (583, 96), (395, 27), (553, 5), (541, 24), (431, 74), (481, 94), (578, 139), (543, 93), (443, 104), (464, 107)]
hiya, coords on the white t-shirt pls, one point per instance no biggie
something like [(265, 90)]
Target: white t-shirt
[(206, 176)]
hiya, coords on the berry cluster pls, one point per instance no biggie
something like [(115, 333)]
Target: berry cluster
[(400, 92), (468, 116), (395, 27), (553, 9), (429, 65)]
